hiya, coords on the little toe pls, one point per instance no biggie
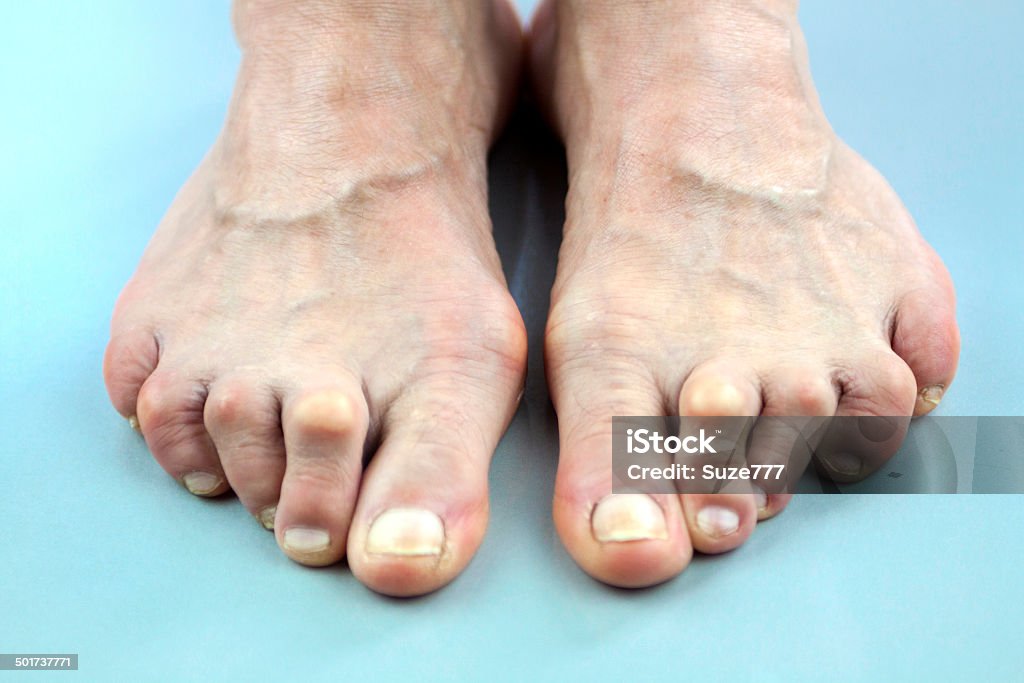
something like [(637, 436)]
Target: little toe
[(873, 416), (129, 360), (927, 338)]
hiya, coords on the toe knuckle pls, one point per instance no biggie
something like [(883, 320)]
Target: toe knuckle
[(327, 413), (896, 379), (504, 333), (814, 397), (586, 332), (885, 386), (485, 333), (715, 397), (163, 403), (235, 403), (170, 414)]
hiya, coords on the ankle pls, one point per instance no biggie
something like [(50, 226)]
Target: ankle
[(707, 48), (705, 87)]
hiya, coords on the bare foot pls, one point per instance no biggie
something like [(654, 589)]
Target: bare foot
[(724, 254), (326, 282)]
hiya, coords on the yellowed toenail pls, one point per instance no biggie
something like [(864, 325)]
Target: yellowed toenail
[(133, 422), (717, 521), (760, 498), (406, 531), (266, 517), (304, 540), (627, 517), (201, 483), (933, 394)]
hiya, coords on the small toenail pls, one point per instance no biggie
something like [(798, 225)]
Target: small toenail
[(845, 464), (406, 531), (760, 497), (266, 517), (133, 422), (932, 394), (628, 517), (302, 539), (201, 483), (715, 520)]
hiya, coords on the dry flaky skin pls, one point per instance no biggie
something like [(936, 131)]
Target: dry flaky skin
[(724, 253), (327, 279)]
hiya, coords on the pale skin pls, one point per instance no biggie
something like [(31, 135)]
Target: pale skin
[(326, 283)]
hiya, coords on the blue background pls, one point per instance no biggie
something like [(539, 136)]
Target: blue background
[(107, 106)]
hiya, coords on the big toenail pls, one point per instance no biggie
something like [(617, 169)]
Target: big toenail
[(715, 520), (133, 422), (932, 394), (201, 483), (628, 517), (760, 497), (406, 531), (845, 464), (266, 516), (302, 539)]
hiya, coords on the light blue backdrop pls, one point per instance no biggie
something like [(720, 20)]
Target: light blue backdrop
[(106, 108)]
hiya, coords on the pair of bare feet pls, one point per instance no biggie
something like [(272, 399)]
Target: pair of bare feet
[(325, 286)]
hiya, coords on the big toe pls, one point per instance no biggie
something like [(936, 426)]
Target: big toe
[(423, 506), (626, 539)]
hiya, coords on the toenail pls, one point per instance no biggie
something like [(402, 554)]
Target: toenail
[(760, 497), (628, 517), (715, 520), (133, 422), (845, 464), (932, 394), (266, 516), (302, 539), (201, 483), (406, 531)]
